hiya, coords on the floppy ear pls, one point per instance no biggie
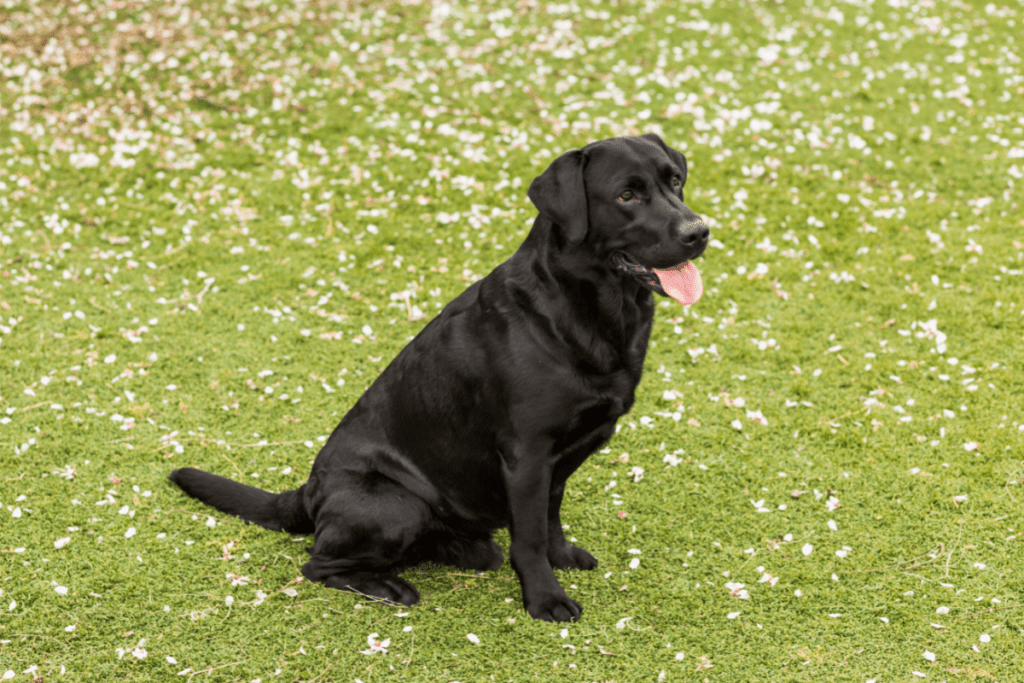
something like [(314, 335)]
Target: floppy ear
[(677, 157), (559, 194)]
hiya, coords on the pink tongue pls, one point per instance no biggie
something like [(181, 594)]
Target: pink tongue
[(682, 283)]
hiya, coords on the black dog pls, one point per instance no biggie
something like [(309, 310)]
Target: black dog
[(479, 421)]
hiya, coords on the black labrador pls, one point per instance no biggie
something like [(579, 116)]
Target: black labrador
[(479, 421)]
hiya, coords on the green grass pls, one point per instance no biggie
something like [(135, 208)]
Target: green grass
[(194, 195)]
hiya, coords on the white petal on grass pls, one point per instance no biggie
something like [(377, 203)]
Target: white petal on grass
[(807, 549), (930, 656), (732, 615), (131, 532), (472, 638)]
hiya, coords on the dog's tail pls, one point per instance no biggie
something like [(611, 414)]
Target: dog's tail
[(277, 511)]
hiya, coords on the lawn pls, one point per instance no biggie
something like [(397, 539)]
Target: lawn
[(220, 221)]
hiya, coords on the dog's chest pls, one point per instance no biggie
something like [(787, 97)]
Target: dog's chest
[(615, 355), (616, 389)]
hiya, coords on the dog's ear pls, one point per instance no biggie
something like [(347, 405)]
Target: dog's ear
[(560, 194), (676, 156)]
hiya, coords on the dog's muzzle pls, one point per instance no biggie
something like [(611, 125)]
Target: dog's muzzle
[(681, 282), (644, 275)]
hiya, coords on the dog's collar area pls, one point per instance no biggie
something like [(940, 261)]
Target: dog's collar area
[(644, 275)]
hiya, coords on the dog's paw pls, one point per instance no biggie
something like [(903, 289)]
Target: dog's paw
[(571, 557), (384, 587), (479, 555), (554, 607)]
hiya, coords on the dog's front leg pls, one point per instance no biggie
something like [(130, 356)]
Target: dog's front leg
[(561, 553), (527, 484)]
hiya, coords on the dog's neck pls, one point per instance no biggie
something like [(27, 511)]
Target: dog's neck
[(608, 310)]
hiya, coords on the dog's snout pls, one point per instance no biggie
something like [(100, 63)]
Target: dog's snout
[(694, 234)]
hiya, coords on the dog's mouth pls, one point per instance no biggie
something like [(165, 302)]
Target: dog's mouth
[(682, 282)]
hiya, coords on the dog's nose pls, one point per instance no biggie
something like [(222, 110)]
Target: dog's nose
[(694, 234)]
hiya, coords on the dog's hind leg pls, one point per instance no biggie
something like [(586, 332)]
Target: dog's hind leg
[(478, 553), (362, 533)]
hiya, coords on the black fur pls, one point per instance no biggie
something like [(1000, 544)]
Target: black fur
[(479, 421), (275, 511)]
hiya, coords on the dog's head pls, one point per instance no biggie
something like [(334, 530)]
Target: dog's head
[(622, 200)]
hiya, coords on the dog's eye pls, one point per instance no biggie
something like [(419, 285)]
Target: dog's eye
[(676, 182), (626, 196)]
